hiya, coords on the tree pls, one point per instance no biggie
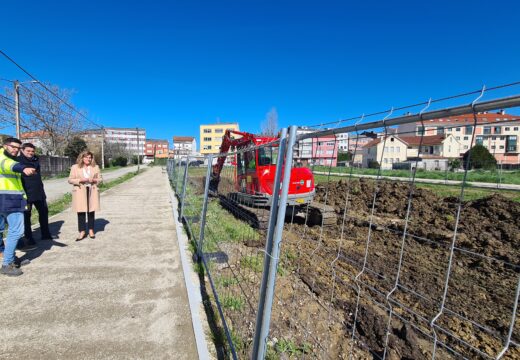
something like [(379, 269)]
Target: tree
[(44, 113), (269, 126), (345, 156), (75, 146), (479, 158)]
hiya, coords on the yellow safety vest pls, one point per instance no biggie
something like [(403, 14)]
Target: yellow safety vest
[(12, 194)]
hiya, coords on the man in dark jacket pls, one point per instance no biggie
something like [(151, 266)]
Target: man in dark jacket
[(33, 186)]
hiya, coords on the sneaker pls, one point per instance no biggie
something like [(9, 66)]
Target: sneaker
[(11, 270)]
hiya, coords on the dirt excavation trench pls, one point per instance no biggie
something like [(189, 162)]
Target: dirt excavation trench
[(478, 307)]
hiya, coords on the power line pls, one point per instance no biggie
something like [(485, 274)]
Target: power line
[(49, 90), (417, 104)]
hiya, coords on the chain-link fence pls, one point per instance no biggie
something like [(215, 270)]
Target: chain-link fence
[(409, 251)]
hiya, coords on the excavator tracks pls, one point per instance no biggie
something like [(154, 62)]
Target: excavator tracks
[(258, 217)]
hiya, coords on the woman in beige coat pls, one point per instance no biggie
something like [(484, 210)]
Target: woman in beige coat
[(85, 178)]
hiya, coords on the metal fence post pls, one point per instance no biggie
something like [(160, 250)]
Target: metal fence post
[(269, 244), (275, 254), (204, 206), (183, 194)]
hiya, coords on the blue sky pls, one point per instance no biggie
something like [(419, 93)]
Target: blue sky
[(169, 66)]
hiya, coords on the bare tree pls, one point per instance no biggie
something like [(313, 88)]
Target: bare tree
[(269, 126), (42, 112)]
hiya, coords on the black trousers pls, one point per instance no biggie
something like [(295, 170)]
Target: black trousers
[(82, 216), (43, 218)]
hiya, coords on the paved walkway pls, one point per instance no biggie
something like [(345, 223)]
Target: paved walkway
[(119, 296), (56, 188)]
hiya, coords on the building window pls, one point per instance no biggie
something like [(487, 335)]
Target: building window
[(457, 129), (511, 143), (469, 130), (397, 149), (457, 137), (498, 129), (502, 138), (219, 131), (501, 147), (479, 140), (207, 147), (420, 130), (493, 137), (207, 131), (440, 130), (465, 146), (515, 128), (487, 130), (493, 147), (466, 138), (507, 128), (207, 139)]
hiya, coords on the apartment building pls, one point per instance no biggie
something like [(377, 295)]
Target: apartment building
[(183, 146), (321, 150), (156, 148), (211, 136), (132, 138), (498, 132)]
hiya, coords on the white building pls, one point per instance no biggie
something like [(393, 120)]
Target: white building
[(132, 138), (184, 145)]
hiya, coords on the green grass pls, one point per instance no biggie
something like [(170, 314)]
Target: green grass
[(232, 302), (253, 262), (285, 348), (470, 193), (489, 176)]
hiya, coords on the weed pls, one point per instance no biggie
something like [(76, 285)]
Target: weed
[(232, 302), (253, 262)]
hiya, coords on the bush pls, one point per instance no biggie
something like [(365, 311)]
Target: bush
[(480, 158), (454, 164), (120, 161), (134, 159), (373, 164)]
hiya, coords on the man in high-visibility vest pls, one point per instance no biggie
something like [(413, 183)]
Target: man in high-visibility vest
[(12, 201)]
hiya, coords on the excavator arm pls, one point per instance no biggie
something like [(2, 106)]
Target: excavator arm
[(228, 142)]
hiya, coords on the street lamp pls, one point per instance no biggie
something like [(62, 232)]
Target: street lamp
[(17, 84)]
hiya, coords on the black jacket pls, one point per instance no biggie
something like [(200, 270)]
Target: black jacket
[(33, 185)]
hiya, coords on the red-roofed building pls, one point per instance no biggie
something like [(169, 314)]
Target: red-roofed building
[(498, 132)]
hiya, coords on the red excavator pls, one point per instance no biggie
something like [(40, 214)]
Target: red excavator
[(253, 179)]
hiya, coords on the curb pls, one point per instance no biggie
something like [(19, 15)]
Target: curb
[(193, 288)]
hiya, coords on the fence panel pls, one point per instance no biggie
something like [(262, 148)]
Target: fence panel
[(233, 248), (380, 265)]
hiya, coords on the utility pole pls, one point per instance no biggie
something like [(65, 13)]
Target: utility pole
[(137, 129), (17, 107), (102, 147)]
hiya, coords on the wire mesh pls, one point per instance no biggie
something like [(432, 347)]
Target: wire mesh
[(234, 239), (397, 242), (421, 259)]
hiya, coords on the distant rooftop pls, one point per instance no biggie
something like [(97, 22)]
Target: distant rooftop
[(183, 138)]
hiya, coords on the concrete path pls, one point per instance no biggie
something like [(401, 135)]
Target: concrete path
[(119, 296), (56, 188)]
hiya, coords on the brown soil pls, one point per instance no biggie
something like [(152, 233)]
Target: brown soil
[(322, 277), (482, 282)]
